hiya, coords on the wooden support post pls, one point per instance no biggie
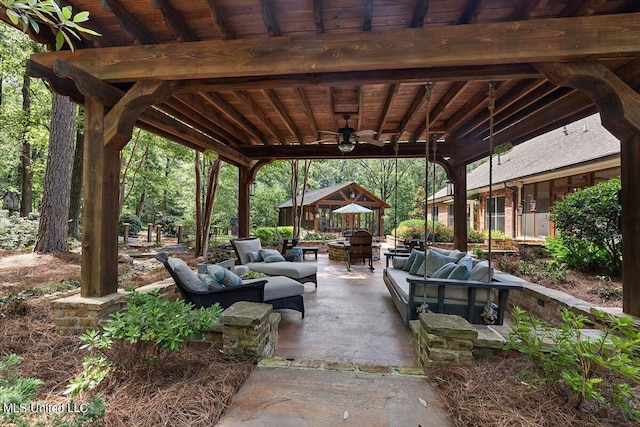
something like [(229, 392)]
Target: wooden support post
[(179, 233), (158, 232), (125, 238), (149, 231), (99, 268), (245, 178), (459, 179), (630, 195)]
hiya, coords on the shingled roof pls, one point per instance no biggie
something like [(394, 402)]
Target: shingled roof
[(581, 142)]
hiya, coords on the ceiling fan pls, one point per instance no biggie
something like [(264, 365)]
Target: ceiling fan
[(344, 135)]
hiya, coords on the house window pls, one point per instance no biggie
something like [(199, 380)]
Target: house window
[(434, 213), (496, 206), (450, 216)]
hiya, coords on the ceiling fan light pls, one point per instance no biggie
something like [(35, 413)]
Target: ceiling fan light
[(346, 147)]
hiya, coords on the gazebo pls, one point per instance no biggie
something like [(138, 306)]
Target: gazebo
[(320, 206), (257, 81)]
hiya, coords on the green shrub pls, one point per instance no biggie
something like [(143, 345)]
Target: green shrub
[(603, 370), (587, 227), (148, 328), (475, 236), (268, 235), (169, 225), (17, 232), (580, 254), (135, 224)]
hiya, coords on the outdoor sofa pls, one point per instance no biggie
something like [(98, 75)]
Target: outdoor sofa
[(270, 262), (455, 284), (226, 288)]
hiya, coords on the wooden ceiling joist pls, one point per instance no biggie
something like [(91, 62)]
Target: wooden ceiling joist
[(253, 134), (220, 20), (128, 23), (254, 109), (275, 102), (174, 21)]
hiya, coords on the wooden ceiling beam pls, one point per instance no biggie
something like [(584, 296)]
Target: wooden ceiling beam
[(331, 151), (189, 109), (503, 101), (419, 12), (174, 21), (236, 117), (451, 93), (524, 13), (471, 108), (306, 108), (281, 110), (491, 72), (368, 15), (269, 18), (471, 11), (129, 25), (251, 105), (393, 90), (317, 16), (120, 120), (538, 40), (589, 7), (152, 119), (417, 101), (220, 20)]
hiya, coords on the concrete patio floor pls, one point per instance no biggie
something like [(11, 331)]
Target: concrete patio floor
[(348, 362)]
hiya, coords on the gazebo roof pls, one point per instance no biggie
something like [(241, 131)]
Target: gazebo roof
[(258, 80), (313, 196)]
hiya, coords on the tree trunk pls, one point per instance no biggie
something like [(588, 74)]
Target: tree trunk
[(26, 174), (75, 201), (52, 232)]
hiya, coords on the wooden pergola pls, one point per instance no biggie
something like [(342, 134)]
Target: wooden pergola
[(258, 80)]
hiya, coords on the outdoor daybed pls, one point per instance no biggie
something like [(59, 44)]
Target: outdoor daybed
[(455, 284), (270, 262), (224, 287)]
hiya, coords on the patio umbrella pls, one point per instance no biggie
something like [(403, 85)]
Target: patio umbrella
[(352, 208)]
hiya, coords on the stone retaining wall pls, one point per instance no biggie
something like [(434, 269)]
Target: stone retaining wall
[(244, 331), (450, 339)]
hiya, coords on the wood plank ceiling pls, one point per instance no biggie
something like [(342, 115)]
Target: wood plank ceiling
[(250, 113)]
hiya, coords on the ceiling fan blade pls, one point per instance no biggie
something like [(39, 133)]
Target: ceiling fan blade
[(320, 141), (372, 142), (366, 132), (328, 131)]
